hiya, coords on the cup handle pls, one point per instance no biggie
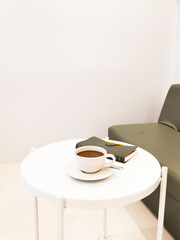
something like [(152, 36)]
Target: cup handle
[(113, 160)]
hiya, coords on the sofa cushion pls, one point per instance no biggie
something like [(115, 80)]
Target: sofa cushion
[(161, 141), (170, 113)]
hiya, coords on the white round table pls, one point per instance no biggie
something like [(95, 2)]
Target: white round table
[(44, 172)]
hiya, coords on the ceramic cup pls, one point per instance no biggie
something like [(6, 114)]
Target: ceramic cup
[(92, 164)]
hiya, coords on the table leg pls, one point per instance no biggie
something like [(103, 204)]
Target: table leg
[(60, 218), (36, 219), (104, 234), (105, 222), (162, 199)]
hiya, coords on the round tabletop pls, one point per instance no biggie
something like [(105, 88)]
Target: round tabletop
[(44, 172)]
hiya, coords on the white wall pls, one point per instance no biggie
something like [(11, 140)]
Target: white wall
[(72, 68), (176, 58)]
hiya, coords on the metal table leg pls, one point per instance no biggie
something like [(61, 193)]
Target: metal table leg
[(104, 234), (162, 199), (36, 219), (60, 206)]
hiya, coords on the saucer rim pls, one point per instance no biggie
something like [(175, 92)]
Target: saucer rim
[(72, 170)]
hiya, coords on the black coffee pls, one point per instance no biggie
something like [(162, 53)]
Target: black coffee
[(90, 154)]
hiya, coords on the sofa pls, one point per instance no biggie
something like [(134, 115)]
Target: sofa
[(162, 139)]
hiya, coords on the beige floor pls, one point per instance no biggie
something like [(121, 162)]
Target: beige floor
[(133, 222)]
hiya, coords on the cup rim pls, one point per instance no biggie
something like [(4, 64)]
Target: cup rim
[(91, 147)]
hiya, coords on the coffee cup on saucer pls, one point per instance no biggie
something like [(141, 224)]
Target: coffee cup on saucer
[(91, 159)]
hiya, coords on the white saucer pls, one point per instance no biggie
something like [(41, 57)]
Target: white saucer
[(75, 172)]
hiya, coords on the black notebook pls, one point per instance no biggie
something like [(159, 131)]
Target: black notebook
[(121, 152)]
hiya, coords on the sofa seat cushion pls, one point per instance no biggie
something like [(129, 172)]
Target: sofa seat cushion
[(158, 139)]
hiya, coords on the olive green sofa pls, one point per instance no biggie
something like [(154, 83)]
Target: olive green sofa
[(162, 139)]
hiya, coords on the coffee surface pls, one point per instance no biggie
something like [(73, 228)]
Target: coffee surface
[(90, 153)]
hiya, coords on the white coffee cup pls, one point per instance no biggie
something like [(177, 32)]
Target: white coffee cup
[(93, 164)]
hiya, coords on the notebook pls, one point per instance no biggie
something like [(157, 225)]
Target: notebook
[(122, 152)]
